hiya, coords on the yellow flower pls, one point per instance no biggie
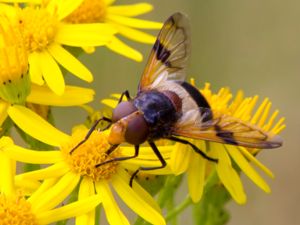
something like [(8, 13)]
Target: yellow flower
[(15, 86), (121, 18), (198, 169), (82, 164), (15, 209), (44, 33)]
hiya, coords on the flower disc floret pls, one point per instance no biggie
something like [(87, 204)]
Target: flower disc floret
[(38, 27), (90, 11), (16, 211), (91, 153)]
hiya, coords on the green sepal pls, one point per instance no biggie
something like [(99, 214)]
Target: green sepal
[(6, 127), (16, 91)]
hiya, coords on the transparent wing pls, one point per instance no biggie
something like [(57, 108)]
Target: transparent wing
[(169, 54), (202, 124)]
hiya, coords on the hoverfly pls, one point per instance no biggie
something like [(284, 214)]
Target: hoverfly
[(168, 107)]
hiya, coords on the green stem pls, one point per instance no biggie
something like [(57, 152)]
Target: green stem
[(210, 210), (6, 127), (27, 167), (62, 222), (182, 206), (166, 196), (168, 191), (98, 214), (139, 221)]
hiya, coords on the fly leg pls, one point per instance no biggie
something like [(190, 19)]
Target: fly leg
[(112, 148), (159, 156), (195, 148), (125, 93), (91, 131)]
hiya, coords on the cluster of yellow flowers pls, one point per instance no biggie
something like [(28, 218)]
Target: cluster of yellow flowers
[(34, 36)]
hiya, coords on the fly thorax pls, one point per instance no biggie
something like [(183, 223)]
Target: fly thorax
[(158, 111)]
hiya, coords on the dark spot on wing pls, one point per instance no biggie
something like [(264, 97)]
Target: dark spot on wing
[(162, 53), (226, 136)]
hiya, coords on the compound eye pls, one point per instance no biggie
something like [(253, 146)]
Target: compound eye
[(122, 110), (137, 130)]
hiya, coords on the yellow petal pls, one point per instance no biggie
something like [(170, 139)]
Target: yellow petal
[(36, 126), (120, 47), (109, 2), (68, 211), (136, 202), (52, 73), (139, 190), (251, 158), (39, 193), (133, 22), (180, 158), (196, 176), (88, 49), (72, 96), (146, 153), (3, 111), (33, 156), (86, 189), (56, 170), (246, 168), (133, 165), (113, 213), (143, 162), (228, 176), (63, 8), (8, 10), (135, 35), (110, 102), (116, 95), (72, 64), (21, 1), (28, 186), (94, 34), (35, 70), (147, 158), (130, 10), (5, 142), (57, 193), (259, 111), (7, 173), (268, 126), (279, 126)]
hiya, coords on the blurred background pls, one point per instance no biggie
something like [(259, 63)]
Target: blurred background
[(249, 45)]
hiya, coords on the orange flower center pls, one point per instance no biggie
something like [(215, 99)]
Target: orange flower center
[(86, 157), (38, 27), (16, 211)]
